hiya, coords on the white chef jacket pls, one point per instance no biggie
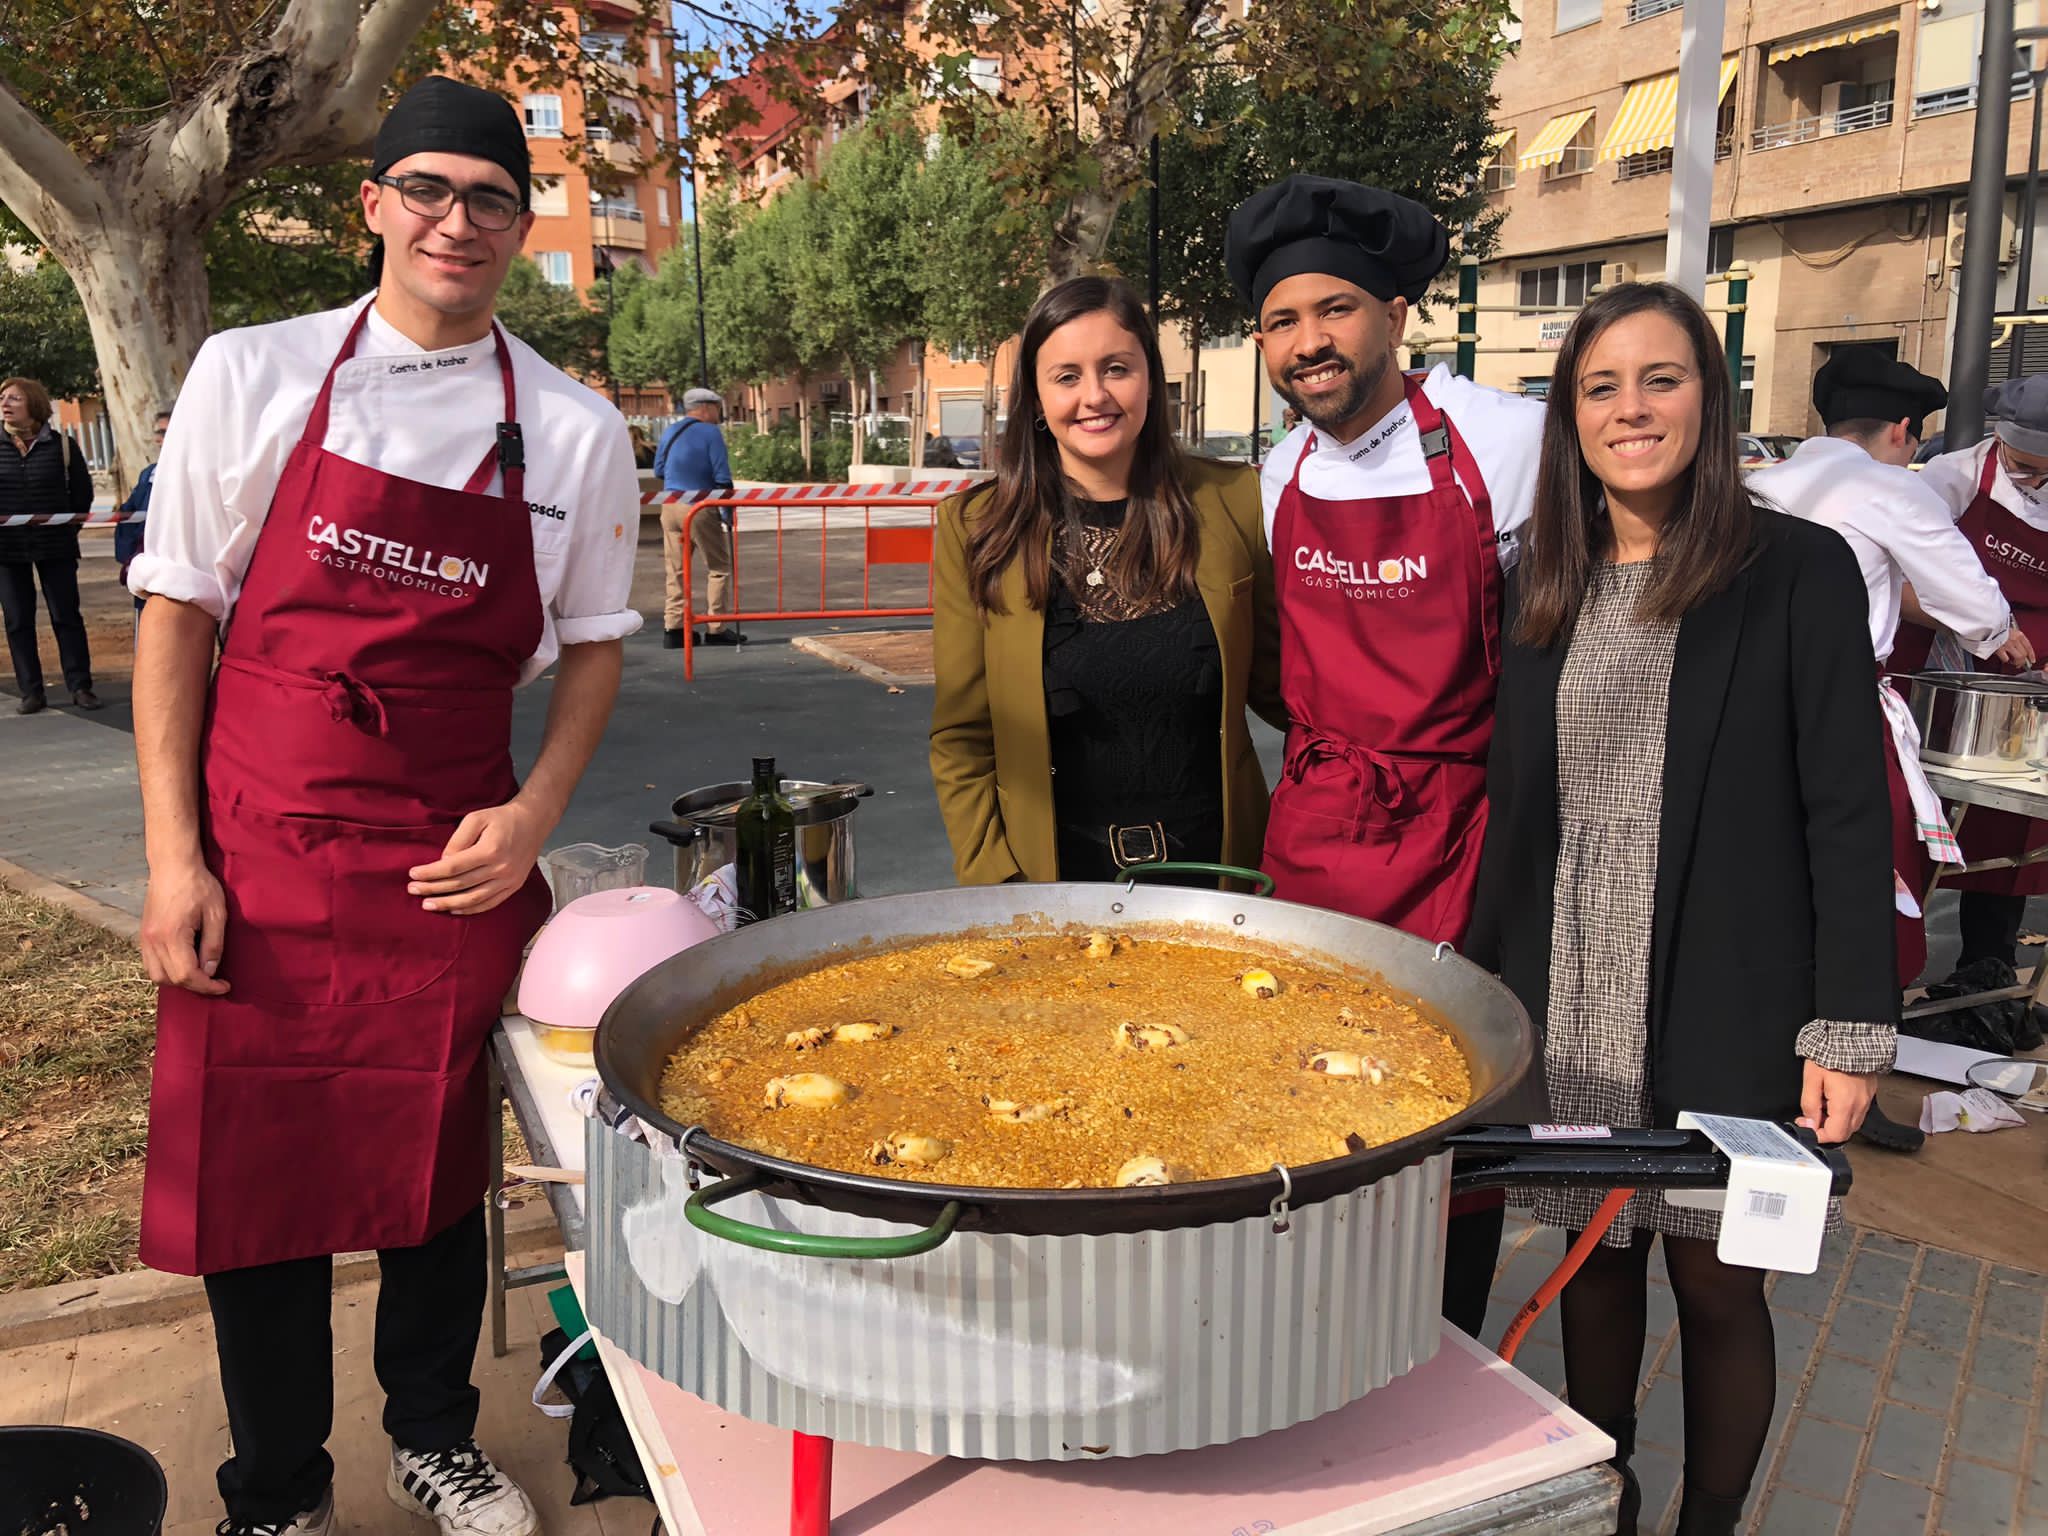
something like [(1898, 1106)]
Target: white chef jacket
[(1504, 433), (430, 417), (1900, 530), (1953, 477)]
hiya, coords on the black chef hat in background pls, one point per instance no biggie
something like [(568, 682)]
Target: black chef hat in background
[(1389, 245), (1868, 384)]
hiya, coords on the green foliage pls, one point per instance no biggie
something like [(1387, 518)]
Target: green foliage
[(772, 455), (551, 320), (1428, 145), (43, 333), (979, 258), (291, 242), (653, 331)]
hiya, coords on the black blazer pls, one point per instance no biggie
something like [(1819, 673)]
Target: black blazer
[(1774, 872)]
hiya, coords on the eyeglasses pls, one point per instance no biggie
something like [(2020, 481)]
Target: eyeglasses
[(488, 208), (2028, 476)]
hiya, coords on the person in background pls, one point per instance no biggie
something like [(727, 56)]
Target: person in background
[(643, 450), (1997, 492), (1687, 787), (1102, 619), (692, 458), (1393, 510), (42, 472), (128, 536), (1855, 481)]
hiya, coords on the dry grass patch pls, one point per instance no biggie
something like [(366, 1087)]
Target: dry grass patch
[(77, 1021)]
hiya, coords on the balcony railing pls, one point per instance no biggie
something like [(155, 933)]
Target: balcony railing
[(1802, 130), (1639, 10)]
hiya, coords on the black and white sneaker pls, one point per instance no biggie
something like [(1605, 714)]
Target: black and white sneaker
[(317, 1521), (460, 1491)]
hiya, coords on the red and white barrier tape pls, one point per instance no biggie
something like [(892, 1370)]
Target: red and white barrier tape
[(759, 495)]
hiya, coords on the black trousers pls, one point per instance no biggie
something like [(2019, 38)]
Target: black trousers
[(18, 605), (1990, 925), (1471, 1251), (273, 1328)]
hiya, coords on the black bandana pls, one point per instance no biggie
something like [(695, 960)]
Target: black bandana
[(449, 117)]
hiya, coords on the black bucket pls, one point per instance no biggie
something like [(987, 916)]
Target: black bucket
[(56, 1481)]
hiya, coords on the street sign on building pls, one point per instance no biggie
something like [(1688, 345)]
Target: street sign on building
[(1550, 334)]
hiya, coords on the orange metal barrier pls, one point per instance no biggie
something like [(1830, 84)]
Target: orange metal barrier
[(842, 518)]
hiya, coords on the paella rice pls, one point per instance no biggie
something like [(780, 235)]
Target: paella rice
[(1045, 1060)]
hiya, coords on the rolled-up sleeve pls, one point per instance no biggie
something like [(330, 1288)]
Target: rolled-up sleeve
[(1948, 578), (198, 534), (594, 601)]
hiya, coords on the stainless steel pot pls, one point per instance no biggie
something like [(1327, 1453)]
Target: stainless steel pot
[(1975, 720), (702, 834), (1049, 1324)]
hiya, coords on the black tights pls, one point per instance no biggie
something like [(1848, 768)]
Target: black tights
[(1724, 1325)]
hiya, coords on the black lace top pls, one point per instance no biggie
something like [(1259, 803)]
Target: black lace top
[(1134, 701)]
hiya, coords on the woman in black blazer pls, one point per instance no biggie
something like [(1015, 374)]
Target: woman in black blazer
[(1687, 872)]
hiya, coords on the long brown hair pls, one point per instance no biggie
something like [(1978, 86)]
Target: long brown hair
[(1711, 532), (1155, 556)]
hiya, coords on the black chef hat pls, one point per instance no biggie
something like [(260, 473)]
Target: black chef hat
[(447, 116), (1390, 246), (1868, 384)]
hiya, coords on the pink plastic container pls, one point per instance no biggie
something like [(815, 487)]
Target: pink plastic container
[(591, 951)]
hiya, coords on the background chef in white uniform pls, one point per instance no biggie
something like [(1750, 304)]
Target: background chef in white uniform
[(1997, 491), (1855, 481)]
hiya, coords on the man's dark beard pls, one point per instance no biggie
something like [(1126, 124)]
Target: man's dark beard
[(1332, 412)]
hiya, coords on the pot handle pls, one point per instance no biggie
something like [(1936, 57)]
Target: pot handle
[(855, 787), (809, 1245), (1255, 877), (1491, 1155), (680, 833)]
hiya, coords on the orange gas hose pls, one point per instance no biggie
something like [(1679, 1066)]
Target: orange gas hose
[(1547, 1292)]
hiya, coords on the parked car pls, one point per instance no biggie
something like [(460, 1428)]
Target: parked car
[(1233, 446), (1761, 448), (967, 452)]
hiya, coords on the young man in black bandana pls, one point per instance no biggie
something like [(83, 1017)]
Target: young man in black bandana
[(386, 518)]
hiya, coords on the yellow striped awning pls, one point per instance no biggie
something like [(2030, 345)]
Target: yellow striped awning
[(1841, 37), (1648, 117), (1498, 140), (1554, 140)]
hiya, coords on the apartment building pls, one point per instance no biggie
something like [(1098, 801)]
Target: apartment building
[(1842, 157), (580, 233)]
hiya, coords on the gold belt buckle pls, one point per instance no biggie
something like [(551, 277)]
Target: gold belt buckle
[(1126, 848)]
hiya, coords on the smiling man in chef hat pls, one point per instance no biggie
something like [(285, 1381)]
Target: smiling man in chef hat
[(388, 517), (1389, 644)]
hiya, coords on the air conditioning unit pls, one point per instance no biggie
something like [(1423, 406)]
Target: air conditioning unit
[(1614, 273), (2008, 231)]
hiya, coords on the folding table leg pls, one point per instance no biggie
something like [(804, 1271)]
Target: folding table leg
[(494, 1212), (810, 1485)]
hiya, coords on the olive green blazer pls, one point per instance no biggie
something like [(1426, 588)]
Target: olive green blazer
[(991, 754)]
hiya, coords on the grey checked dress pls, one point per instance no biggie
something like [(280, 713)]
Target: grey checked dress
[(1613, 698)]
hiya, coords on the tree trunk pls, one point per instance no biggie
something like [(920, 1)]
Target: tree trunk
[(862, 403), (988, 413), (917, 410), (141, 276), (803, 420)]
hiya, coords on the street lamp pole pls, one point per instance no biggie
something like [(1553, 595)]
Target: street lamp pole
[(1977, 294), (1153, 285), (2023, 291), (697, 252)]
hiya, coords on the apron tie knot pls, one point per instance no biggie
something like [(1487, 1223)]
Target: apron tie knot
[(351, 700), (1379, 778)]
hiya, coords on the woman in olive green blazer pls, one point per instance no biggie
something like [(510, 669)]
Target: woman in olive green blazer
[(1090, 470)]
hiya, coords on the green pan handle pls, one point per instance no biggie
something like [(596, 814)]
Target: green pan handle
[(1256, 877), (809, 1245)]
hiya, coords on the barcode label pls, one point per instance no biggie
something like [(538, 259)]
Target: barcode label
[(1766, 1205)]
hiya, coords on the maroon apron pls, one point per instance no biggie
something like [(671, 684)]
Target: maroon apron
[(333, 1100), (2016, 555), (1390, 655)]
